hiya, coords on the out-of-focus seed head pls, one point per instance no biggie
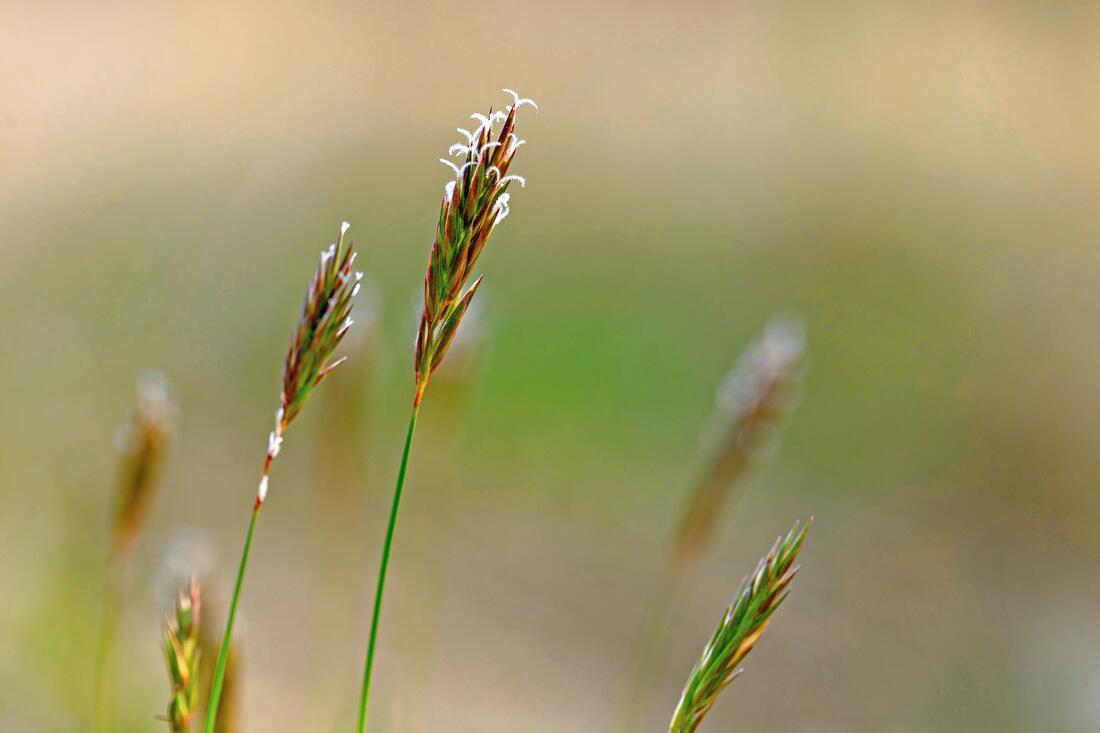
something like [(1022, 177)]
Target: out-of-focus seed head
[(326, 318), (142, 443), (182, 654), (759, 391), (474, 203), (761, 388)]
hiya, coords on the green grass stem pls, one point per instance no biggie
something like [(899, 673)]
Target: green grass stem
[(223, 650), (387, 546)]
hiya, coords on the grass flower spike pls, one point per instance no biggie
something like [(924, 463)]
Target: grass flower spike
[(756, 395), (474, 203), (182, 654), (741, 627), (325, 319)]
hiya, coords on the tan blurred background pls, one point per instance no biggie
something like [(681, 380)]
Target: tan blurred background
[(920, 182)]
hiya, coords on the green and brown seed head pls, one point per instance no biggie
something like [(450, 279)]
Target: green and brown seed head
[(182, 654), (744, 622), (325, 320), (474, 203)]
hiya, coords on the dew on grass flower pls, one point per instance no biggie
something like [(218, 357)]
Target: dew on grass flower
[(183, 655), (755, 396), (741, 627), (325, 320)]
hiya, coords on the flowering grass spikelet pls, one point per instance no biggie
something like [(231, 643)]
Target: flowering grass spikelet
[(744, 622), (183, 654), (473, 204), (325, 320)]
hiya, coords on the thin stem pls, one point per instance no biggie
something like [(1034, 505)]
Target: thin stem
[(223, 651), (112, 602), (386, 547), (647, 657)]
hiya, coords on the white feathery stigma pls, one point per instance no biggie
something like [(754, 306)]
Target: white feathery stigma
[(518, 101), (261, 490), (344, 228), (513, 177), (501, 208), (457, 169)]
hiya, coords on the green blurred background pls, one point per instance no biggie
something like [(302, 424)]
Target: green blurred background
[(919, 182)]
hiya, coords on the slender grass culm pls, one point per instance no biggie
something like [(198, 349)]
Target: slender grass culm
[(324, 321), (741, 627), (183, 655), (474, 203), (142, 445)]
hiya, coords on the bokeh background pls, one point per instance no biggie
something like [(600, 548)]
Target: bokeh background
[(919, 181)]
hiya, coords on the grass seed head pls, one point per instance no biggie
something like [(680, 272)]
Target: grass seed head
[(744, 622), (182, 654), (756, 395), (325, 320), (142, 443), (474, 203)]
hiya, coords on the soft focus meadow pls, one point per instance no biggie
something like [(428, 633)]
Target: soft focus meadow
[(919, 182)]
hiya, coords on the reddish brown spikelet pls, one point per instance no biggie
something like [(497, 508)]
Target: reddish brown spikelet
[(472, 207), (325, 319)]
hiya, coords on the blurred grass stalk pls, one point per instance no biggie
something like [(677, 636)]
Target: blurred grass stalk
[(142, 444), (744, 622), (473, 204), (755, 396), (325, 319)]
